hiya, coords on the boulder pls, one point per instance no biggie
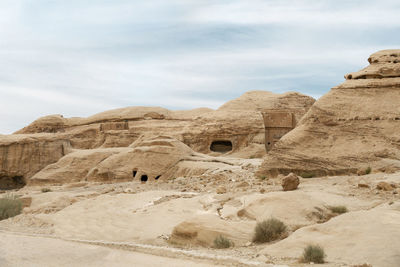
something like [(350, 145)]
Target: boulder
[(290, 182)]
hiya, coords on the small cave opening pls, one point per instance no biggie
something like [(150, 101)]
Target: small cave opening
[(144, 178), (158, 177), (14, 182), (221, 146), (134, 172)]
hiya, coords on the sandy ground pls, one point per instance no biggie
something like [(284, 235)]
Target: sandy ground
[(143, 216), (21, 251)]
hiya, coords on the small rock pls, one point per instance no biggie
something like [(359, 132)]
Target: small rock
[(290, 182), (243, 184), (361, 185), (128, 190), (361, 172), (221, 190), (248, 244), (384, 186), (262, 190)]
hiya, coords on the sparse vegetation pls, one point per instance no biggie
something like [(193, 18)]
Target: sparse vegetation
[(338, 209), (368, 170), (222, 242), (269, 230), (45, 190), (307, 175), (314, 253), (262, 177), (10, 206)]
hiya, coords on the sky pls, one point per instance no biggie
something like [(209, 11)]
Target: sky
[(81, 57)]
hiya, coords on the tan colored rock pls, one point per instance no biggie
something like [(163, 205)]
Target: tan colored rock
[(290, 182), (239, 122), (202, 230), (237, 129), (21, 156), (352, 126), (147, 159), (73, 167), (384, 186), (362, 185), (221, 190), (371, 231)]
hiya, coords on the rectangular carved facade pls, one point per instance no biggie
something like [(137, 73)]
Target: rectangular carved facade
[(114, 126), (277, 124)]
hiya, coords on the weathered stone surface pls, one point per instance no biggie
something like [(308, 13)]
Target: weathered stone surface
[(384, 186), (351, 126), (290, 182), (147, 159), (236, 129), (239, 121), (21, 156), (73, 167), (221, 190)]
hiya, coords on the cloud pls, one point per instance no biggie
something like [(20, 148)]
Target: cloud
[(78, 58)]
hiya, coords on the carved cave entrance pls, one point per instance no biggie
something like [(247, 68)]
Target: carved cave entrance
[(221, 146), (14, 182)]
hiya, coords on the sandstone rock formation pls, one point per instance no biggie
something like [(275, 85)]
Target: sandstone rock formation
[(352, 127), (21, 156), (236, 129)]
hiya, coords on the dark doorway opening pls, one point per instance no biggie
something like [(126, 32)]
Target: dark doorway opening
[(221, 146), (158, 177), (14, 182), (144, 178), (134, 173)]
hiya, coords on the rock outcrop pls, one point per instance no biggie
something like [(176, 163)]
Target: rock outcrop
[(21, 156), (112, 145), (352, 127), (239, 124)]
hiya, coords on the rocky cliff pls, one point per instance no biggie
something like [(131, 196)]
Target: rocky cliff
[(351, 128), (100, 143)]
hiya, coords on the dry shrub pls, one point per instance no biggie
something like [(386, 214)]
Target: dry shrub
[(222, 242), (314, 253), (338, 209), (307, 175), (269, 230), (10, 206)]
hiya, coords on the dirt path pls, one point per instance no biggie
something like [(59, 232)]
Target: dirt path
[(17, 249)]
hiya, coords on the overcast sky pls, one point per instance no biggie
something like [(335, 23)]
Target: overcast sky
[(80, 57)]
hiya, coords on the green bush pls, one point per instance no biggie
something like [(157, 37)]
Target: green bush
[(269, 230), (262, 177), (10, 206), (307, 175), (368, 170), (338, 209), (45, 190), (222, 242), (314, 253)]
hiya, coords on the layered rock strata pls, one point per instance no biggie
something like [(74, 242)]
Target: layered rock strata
[(351, 128)]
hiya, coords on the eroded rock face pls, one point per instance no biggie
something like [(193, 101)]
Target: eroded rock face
[(139, 142), (73, 167), (352, 127), (239, 122), (22, 156), (146, 159)]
